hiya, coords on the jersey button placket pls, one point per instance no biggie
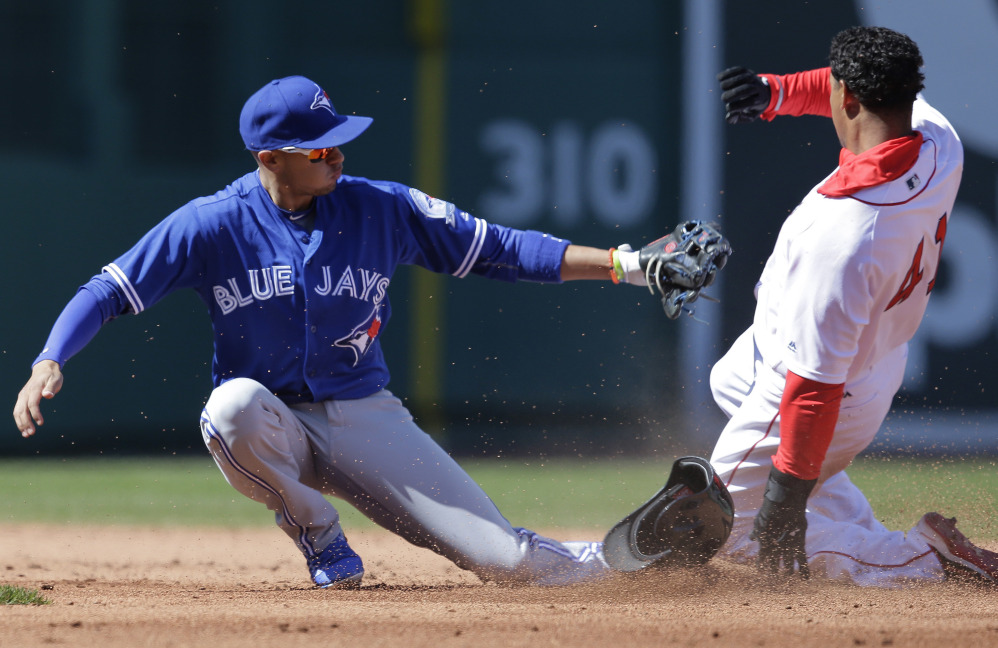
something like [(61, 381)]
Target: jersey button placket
[(310, 278)]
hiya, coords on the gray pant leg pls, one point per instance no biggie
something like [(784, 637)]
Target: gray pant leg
[(381, 462), (263, 451)]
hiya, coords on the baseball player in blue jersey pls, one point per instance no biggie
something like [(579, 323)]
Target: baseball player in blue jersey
[(293, 262)]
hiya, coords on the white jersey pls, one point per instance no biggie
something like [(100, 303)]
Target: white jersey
[(842, 293), (849, 278)]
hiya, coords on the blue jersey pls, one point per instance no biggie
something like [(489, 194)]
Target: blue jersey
[(302, 312)]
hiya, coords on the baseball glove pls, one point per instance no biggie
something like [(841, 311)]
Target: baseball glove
[(683, 263)]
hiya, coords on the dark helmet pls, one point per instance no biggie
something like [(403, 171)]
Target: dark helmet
[(684, 524)]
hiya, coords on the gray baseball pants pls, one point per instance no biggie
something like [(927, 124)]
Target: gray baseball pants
[(371, 454)]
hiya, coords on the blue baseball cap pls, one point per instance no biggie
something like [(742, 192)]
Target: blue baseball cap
[(295, 111)]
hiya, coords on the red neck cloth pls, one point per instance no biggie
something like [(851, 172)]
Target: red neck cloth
[(883, 163)]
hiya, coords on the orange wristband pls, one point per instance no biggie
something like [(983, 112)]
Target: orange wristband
[(613, 270)]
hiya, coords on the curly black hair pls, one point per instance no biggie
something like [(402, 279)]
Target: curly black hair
[(880, 66)]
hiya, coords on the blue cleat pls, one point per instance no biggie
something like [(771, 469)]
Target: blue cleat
[(336, 566)]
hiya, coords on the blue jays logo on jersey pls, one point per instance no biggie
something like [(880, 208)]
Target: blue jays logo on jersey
[(363, 336), (435, 208), (322, 100)]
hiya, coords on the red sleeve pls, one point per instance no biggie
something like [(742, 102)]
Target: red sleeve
[(808, 413), (802, 93)]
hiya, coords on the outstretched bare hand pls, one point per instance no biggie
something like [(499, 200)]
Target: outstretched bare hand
[(45, 382)]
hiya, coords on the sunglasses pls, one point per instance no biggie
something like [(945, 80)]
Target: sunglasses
[(314, 155)]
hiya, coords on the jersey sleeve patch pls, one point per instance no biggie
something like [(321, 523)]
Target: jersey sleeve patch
[(433, 207)]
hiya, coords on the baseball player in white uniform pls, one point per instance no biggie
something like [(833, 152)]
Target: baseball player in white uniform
[(808, 385), (293, 262)]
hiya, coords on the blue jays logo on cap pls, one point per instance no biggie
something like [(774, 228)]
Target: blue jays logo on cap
[(322, 100), (295, 111)]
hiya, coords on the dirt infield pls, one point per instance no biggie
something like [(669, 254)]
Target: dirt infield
[(121, 586)]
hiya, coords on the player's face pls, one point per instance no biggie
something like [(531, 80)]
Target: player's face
[(310, 178)]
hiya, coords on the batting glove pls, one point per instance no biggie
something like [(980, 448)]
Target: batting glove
[(745, 95), (781, 524)]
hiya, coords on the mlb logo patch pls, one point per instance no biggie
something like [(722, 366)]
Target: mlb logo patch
[(913, 182)]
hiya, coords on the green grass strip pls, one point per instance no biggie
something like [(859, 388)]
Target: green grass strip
[(542, 494), (14, 595)]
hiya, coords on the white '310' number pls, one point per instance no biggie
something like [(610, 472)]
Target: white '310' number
[(612, 174)]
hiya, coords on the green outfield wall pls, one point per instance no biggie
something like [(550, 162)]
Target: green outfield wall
[(593, 122)]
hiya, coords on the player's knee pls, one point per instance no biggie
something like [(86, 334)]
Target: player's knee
[(719, 376), (727, 390), (236, 406), (714, 380)]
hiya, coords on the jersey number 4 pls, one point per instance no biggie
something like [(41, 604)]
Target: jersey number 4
[(914, 275)]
